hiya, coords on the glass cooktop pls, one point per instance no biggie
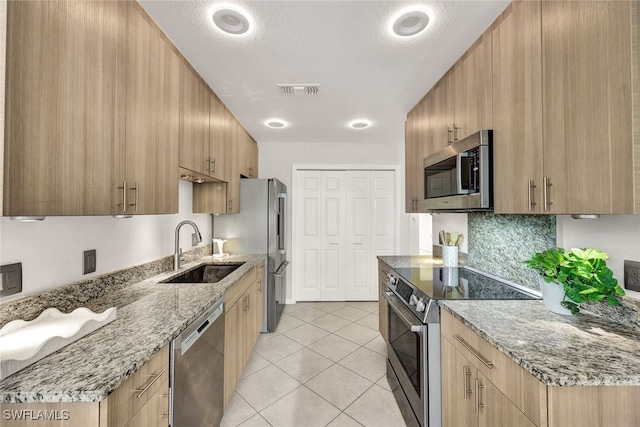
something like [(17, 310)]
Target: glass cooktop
[(456, 283)]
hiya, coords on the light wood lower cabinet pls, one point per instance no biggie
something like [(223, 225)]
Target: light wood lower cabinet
[(383, 308), (141, 401), (483, 387), (244, 303)]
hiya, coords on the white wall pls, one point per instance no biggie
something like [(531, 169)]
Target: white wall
[(51, 250), (277, 159), (617, 235)]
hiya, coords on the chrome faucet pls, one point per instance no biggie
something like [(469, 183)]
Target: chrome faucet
[(177, 255)]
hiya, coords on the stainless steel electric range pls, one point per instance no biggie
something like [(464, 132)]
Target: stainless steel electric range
[(413, 359)]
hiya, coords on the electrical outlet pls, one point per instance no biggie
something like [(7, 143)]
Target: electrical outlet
[(194, 239), (89, 260), (11, 279), (632, 275)]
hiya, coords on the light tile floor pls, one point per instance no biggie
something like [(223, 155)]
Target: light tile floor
[(324, 366)]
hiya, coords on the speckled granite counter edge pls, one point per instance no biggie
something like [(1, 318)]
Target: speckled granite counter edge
[(89, 369), (67, 298), (575, 379)]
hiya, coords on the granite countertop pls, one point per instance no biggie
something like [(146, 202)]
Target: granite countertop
[(410, 261), (581, 350), (149, 315)]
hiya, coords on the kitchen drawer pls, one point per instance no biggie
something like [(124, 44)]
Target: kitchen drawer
[(234, 293), (154, 413), (135, 392), (520, 387)]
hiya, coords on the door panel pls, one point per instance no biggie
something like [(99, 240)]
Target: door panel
[(339, 217), (306, 226)]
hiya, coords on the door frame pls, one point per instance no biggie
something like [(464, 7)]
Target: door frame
[(398, 202)]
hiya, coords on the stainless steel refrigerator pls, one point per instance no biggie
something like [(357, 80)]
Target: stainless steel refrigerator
[(260, 228)]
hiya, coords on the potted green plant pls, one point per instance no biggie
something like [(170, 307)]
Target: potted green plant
[(577, 276)]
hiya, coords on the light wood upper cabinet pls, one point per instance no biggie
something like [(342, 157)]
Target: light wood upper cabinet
[(194, 121), (419, 143), (93, 129), (219, 140), (517, 104), (412, 198), (587, 106), (472, 89), (563, 128), (153, 105), (441, 113), (65, 107), (248, 152)]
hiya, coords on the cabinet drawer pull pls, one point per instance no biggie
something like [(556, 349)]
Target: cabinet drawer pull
[(135, 198), (532, 201), (547, 183), (124, 196), (165, 415), (154, 378), (466, 373), (473, 351), (478, 403)]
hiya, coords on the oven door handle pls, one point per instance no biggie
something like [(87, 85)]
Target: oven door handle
[(402, 312)]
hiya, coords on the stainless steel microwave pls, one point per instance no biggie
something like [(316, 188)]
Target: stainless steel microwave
[(459, 178)]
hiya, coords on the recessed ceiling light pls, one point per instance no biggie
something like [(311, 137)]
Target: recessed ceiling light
[(275, 123), (360, 124), (410, 22), (231, 20)]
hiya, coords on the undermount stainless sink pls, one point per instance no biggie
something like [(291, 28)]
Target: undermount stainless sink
[(207, 273)]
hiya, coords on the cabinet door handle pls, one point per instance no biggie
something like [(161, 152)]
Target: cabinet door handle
[(475, 352), (154, 378), (466, 373), (124, 196), (531, 200), (135, 196), (455, 132), (547, 203), (449, 133), (213, 163), (207, 163), (479, 404)]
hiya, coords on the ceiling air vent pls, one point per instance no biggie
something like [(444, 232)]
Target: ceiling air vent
[(299, 90)]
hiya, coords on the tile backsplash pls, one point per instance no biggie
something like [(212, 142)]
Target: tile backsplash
[(499, 243)]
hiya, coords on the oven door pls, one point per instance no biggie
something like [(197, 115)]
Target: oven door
[(407, 351)]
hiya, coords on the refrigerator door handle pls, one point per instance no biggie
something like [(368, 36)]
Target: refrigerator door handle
[(281, 269), (282, 214)]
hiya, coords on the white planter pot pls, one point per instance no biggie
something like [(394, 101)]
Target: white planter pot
[(552, 296)]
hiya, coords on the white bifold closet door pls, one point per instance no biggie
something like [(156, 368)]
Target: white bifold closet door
[(343, 220)]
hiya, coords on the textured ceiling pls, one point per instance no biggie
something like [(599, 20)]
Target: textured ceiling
[(344, 46)]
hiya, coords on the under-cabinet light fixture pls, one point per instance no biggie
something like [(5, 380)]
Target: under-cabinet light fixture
[(585, 216), (27, 218)]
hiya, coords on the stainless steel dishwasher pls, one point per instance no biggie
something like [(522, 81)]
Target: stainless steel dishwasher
[(197, 371)]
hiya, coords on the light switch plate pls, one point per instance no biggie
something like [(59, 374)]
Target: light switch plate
[(11, 279), (89, 260), (632, 275)]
